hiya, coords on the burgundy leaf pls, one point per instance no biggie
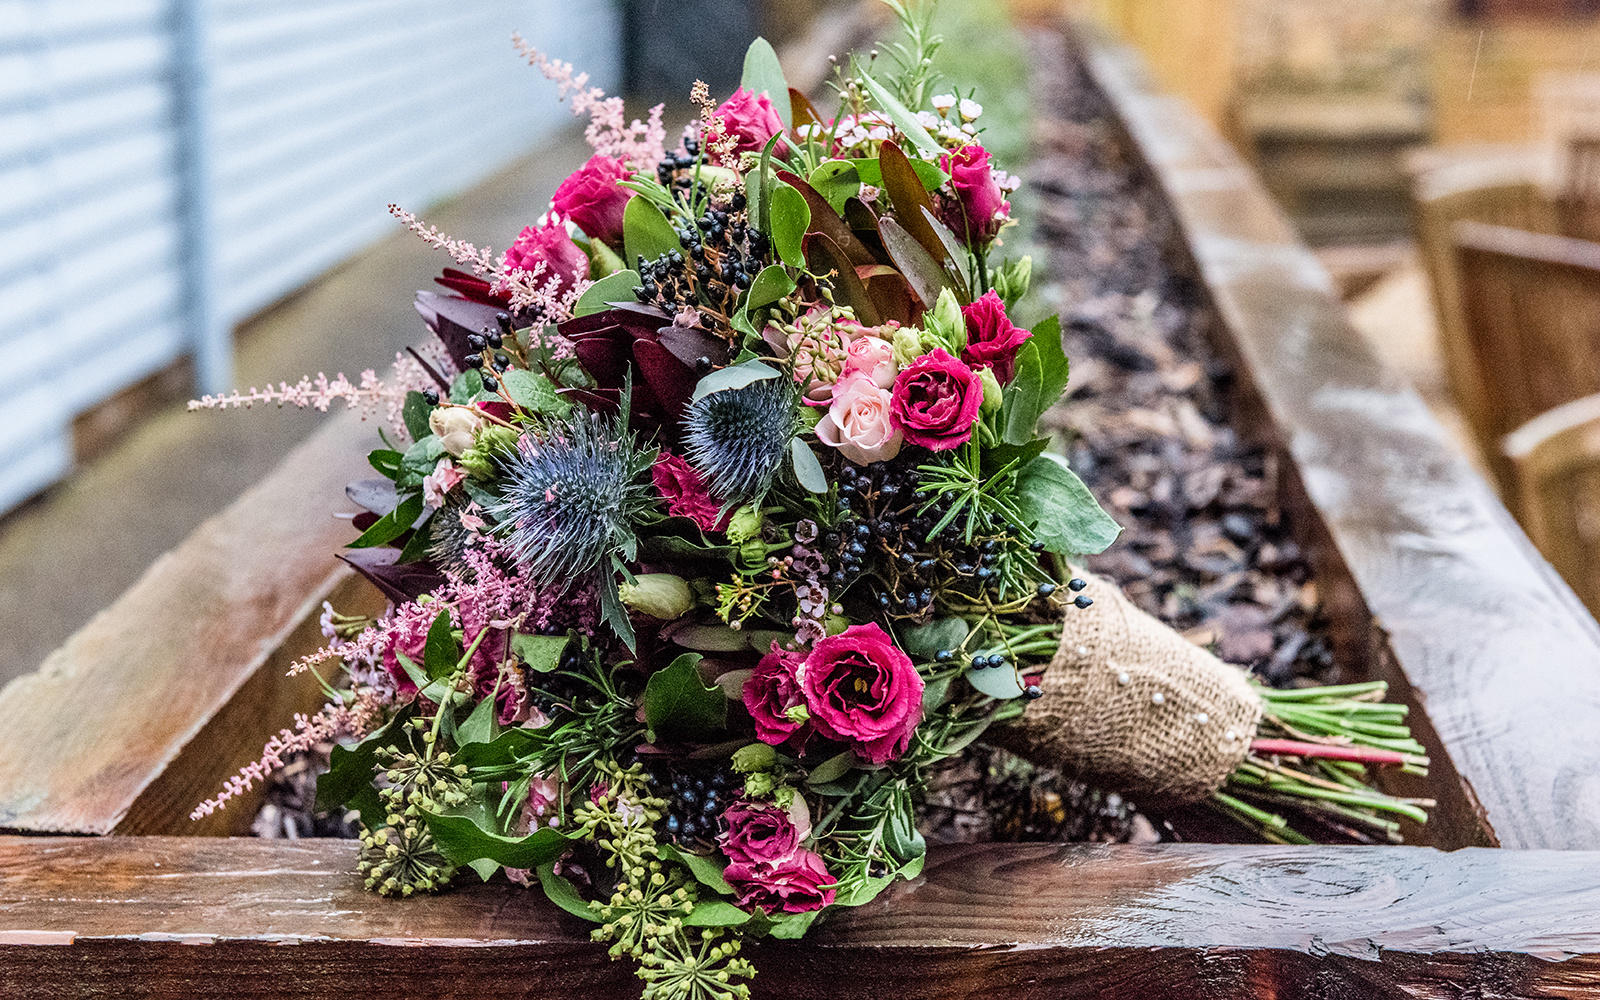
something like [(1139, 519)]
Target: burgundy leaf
[(400, 582)]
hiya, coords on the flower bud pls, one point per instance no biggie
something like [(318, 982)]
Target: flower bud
[(753, 757), (907, 345), (663, 596), (456, 427), (945, 324), (991, 390), (745, 524)]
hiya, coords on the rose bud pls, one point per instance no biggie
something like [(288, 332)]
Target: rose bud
[(662, 596)]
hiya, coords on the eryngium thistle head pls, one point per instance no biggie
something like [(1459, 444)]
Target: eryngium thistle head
[(738, 438), (573, 497)]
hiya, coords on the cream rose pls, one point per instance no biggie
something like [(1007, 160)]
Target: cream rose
[(457, 426), (872, 357), (857, 422)]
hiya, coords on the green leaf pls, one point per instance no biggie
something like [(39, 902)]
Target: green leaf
[(415, 414), (463, 841), (505, 748), (1000, 683), (560, 891), (837, 181), (1053, 365), (1064, 514), (707, 871), (806, 467), (870, 172), (923, 641), (386, 461), (351, 769), (646, 233), (832, 769), (934, 694), (903, 119), (678, 707), (1024, 397), (793, 926), (481, 725), (734, 377), (598, 297), (466, 386), (764, 74), (770, 285), (790, 218), (419, 460), (391, 525), (716, 913), (540, 653), (534, 392), (440, 654)]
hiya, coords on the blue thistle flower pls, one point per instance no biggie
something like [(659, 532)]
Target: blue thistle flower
[(738, 438), (573, 496)]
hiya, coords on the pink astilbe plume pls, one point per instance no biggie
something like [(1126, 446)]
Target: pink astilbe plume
[(332, 722), (317, 393), (639, 145), (533, 293)]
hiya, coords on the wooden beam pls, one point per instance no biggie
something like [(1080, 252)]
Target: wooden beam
[(146, 710), (202, 918), (1441, 592)]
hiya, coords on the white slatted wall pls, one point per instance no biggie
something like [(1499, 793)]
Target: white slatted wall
[(315, 115)]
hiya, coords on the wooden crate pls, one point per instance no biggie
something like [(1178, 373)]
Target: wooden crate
[(1430, 583)]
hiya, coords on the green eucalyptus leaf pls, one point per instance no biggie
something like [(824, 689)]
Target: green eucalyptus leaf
[(833, 768), (1000, 683), (734, 377), (763, 74), (923, 641), (598, 297), (679, 707), (1064, 514), (807, 469)]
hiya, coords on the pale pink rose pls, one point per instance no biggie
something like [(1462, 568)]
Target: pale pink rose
[(872, 357), (858, 421), (445, 477)]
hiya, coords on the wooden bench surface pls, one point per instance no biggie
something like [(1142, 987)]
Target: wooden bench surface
[(236, 917)]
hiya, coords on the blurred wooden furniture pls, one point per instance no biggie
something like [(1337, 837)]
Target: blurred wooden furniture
[(1555, 468), (1531, 340)]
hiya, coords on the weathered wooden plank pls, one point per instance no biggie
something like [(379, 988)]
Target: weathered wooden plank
[(146, 710), (197, 918), (1503, 656)]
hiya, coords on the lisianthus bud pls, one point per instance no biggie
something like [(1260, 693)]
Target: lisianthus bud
[(945, 324), (456, 426), (753, 757), (992, 397), (664, 596), (745, 524), (907, 346)]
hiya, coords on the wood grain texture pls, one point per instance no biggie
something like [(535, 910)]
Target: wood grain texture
[(248, 918), (1465, 616), (144, 712), (1555, 474)]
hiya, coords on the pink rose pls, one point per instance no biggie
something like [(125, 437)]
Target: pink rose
[(873, 357), (861, 689), (797, 884), (936, 400), (685, 492), (859, 422), (992, 339), (753, 119), (549, 245), (770, 691), (980, 204), (591, 198), (437, 484), (758, 833)]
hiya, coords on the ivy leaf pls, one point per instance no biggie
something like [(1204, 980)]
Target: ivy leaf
[(350, 769), (466, 386), (807, 469), (463, 841), (716, 913), (481, 726), (646, 233), (391, 525), (793, 926), (764, 74), (1064, 514), (534, 392), (540, 653), (560, 891), (599, 296), (440, 653), (791, 216), (678, 707), (707, 871), (415, 414)]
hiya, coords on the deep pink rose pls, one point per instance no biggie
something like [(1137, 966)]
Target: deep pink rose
[(591, 198), (550, 245), (981, 206), (681, 486), (992, 339), (753, 119), (861, 689), (794, 885), (936, 400), (770, 691), (758, 833)]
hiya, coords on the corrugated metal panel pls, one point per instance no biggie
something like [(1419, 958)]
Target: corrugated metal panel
[(268, 136)]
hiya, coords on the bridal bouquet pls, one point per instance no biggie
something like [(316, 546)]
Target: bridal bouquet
[(714, 517)]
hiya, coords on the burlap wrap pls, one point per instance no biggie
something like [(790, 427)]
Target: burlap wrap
[(1132, 706)]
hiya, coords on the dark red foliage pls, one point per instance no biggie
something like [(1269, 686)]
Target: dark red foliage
[(663, 360)]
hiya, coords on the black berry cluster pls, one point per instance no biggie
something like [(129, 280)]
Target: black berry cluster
[(696, 796)]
